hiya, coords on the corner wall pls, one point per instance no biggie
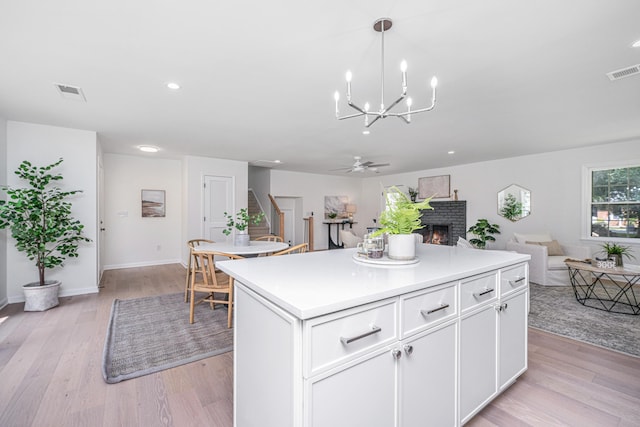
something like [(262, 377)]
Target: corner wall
[(129, 239), (43, 145), (3, 233)]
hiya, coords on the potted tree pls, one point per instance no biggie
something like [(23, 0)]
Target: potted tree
[(241, 224), (39, 217), (483, 230), (399, 220), (616, 252)]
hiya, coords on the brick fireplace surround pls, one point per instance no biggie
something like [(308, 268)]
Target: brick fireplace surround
[(451, 214)]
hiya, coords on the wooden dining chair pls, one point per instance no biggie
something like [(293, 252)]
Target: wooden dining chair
[(297, 249), (211, 281), (192, 244), (270, 238)]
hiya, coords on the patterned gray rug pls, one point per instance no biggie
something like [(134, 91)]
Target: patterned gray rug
[(147, 335), (555, 309)]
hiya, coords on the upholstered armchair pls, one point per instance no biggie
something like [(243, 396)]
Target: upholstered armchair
[(348, 239), (547, 266)]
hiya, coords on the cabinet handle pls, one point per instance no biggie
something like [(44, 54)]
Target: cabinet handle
[(433, 310), (502, 307), (374, 330), (514, 282), (483, 292), (397, 354), (408, 349)]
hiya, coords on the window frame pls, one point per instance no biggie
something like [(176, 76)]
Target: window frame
[(587, 186)]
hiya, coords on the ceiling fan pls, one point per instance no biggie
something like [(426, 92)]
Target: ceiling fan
[(359, 166)]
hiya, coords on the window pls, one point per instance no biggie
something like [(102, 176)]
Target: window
[(615, 202)]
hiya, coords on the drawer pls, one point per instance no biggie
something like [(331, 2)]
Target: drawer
[(339, 337), (426, 308), (513, 278), (478, 290)]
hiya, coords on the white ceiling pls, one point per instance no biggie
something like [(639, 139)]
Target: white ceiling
[(258, 77)]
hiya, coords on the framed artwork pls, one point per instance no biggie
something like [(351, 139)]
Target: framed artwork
[(335, 207), (153, 203), (438, 187)]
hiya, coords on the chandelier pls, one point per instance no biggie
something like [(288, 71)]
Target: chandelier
[(382, 25)]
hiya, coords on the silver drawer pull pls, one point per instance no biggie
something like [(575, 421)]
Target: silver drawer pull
[(483, 292), (433, 310), (514, 282), (374, 330)]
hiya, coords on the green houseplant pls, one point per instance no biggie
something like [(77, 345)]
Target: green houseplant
[(241, 223), (483, 230), (401, 218), (40, 220), (616, 251)]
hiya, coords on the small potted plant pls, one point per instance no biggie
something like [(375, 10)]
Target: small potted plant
[(241, 224), (483, 230), (399, 220), (39, 217), (616, 251)]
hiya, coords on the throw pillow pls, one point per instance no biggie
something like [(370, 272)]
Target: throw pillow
[(553, 247), (540, 237), (462, 243)]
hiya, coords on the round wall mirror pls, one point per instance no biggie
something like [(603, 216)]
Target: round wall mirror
[(514, 202)]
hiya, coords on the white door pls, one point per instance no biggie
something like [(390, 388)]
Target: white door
[(288, 206), (218, 199)]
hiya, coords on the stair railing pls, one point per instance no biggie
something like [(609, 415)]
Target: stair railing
[(308, 232), (278, 223)]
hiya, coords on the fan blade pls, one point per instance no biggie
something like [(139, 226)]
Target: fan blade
[(366, 164), (379, 165), (341, 169)]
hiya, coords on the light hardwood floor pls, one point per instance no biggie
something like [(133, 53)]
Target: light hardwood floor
[(50, 373)]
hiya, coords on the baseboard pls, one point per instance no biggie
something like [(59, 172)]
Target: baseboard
[(3, 303), (62, 293), (142, 264)]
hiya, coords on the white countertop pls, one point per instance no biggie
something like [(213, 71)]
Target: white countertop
[(318, 283)]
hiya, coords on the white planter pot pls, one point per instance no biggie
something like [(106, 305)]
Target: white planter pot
[(41, 298), (241, 239), (402, 246)]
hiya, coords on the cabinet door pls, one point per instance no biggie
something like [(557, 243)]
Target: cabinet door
[(428, 379), (513, 338), (362, 394), (478, 354)]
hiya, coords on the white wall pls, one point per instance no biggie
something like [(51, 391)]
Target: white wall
[(260, 183), (555, 181), (43, 145), (194, 169), (312, 188), (3, 233), (129, 239)]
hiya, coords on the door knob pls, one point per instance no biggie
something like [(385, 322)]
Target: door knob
[(408, 349), (397, 354)]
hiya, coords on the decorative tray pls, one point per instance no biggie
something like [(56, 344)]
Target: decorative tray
[(384, 261)]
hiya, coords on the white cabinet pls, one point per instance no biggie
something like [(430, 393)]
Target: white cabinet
[(493, 337), (432, 356)]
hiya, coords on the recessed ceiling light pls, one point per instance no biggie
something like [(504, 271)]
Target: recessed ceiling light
[(366, 132), (451, 152), (636, 43), (173, 86), (148, 148)]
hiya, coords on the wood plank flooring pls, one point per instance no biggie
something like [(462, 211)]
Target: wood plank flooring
[(50, 373)]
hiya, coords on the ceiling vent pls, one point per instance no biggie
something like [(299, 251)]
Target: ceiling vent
[(70, 92), (265, 163), (625, 72)]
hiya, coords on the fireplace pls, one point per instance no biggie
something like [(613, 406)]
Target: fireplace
[(445, 223), (437, 234)]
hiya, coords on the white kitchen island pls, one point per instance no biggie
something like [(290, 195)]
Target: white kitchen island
[(322, 340)]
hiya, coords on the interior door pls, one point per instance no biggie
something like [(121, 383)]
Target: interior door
[(101, 225), (218, 199)]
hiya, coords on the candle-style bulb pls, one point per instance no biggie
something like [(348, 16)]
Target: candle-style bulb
[(403, 66), (366, 107), (434, 82), (336, 96), (409, 102), (349, 76)]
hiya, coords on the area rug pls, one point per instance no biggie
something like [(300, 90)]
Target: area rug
[(555, 309), (147, 335)]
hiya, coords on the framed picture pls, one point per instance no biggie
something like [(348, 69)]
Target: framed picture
[(153, 203), (438, 187), (335, 207)]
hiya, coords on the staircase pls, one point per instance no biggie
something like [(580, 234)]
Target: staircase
[(261, 229)]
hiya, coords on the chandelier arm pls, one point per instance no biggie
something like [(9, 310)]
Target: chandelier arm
[(421, 110), (355, 107), (373, 121), (350, 116), (385, 112)]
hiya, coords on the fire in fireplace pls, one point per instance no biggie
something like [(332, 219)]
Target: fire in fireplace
[(437, 234)]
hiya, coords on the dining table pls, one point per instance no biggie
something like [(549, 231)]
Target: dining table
[(255, 248)]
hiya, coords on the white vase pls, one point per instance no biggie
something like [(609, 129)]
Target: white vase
[(402, 246), (241, 238), (41, 298)]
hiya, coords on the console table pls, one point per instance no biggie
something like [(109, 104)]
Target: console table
[(608, 289), (338, 223)]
